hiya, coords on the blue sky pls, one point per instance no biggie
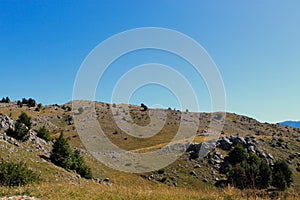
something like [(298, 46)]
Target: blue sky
[(255, 44)]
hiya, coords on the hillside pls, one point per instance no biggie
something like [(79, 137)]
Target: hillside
[(189, 177)]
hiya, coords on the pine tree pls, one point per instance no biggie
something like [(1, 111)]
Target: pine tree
[(79, 166), (24, 119), (282, 175), (237, 155), (22, 127), (44, 134), (61, 154)]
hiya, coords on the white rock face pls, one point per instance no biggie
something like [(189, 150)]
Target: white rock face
[(5, 123)]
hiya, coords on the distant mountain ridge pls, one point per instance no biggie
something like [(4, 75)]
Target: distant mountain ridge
[(294, 124)]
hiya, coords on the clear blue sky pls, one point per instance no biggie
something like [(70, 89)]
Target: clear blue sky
[(255, 44)]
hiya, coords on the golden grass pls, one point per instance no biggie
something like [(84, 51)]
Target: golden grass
[(90, 190)]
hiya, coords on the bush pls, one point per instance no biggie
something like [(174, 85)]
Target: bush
[(22, 127), (282, 175), (15, 174), (237, 176), (30, 102), (237, 155), (5, 100), (24, 119), (44, 134), (20, 104), (21, 132), (62, 155), (79, 166), (144, 107), (247, 170)]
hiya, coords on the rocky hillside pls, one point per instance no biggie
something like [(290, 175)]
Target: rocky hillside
[(192, 171)]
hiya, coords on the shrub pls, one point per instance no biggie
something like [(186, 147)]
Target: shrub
[(20, 104), (62, 155), (21, 132), (79, 166), (247, 170), (30, 102), (265, 175), (144, 107), (44, 134), (237, 176), (282, 175), (237, 155), (22, 127), (15, 174), (5, 100), (24, 119)]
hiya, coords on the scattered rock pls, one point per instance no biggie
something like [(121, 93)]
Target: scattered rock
[(197, 166), (193, 173)]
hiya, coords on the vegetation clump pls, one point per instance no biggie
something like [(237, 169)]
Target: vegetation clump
[(247, 170), (62, 155), (5, 100), (43, 133), (15, 174), (22, 127), (29, 102)]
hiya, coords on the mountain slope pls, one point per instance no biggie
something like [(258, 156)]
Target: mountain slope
[(185, 178), (293, 124)]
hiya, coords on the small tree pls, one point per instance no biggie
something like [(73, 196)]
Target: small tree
[(143, 107), (24, 101), (265, 175), (22, 127), (21, 132), (19, 103), (7, 100), (79, 166), (237, 176), (61, 154), (24, 119), (44, 134), (247, 170), (282, 175), (237, 155), (31, 102)]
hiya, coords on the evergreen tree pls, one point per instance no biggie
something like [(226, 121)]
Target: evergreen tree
[(79, 166), (282, 175), (247, 170), (44, 134), (24, 119), (237, 176), (7, 100), (21, 132), (237, 155), (61, 154), (265, 176), (22, 127)]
